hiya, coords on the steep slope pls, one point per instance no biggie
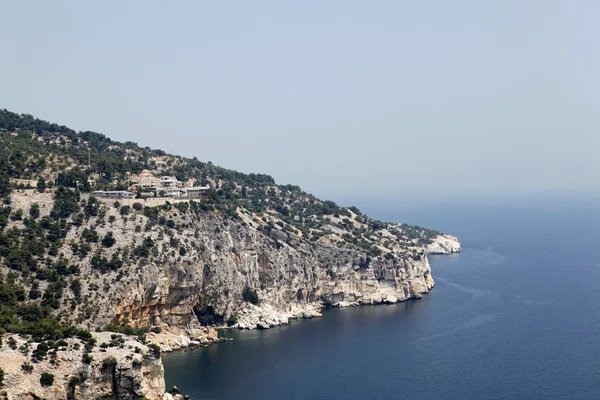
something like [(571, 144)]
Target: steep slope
[(248, 254)]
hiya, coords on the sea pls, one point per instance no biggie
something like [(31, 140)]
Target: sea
[(516, 315)]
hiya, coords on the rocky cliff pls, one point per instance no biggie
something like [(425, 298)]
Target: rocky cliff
[(118, 368), (208, 270), (233, 274), (444, 244), (248, 253), (202, 271)]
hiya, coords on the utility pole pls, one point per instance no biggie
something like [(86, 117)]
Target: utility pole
[(89, 159)]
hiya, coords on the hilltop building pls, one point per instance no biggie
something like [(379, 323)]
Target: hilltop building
[(181, 192), (165, 186), (113, 194), (170, 182), (144, 180)]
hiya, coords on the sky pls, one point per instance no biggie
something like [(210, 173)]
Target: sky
[(348, 99)]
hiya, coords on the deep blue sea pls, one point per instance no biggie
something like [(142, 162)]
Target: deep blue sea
[(515, 316)]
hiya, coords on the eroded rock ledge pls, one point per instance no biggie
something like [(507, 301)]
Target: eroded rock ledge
[(444, 244), (297, 290), (379, 283)]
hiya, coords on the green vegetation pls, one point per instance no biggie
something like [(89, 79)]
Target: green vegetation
[(249, 295), (42, 253), (109, 363), (46, 379), (127, 330), (27, 367), (155, 349)]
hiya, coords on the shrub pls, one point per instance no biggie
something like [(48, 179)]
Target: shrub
[(34, 210), (41, 351), (108, 240), (249, 295), (46, 379), (137, 206), (155, 349), (17, 215), (74, 381), (87, 359), (1, 377), (27, 367), (66, 202), (232, 320), (109, 363)]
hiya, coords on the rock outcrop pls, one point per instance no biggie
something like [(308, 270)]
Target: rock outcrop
[(207, 286), (245, 253), (127, 370), (206, 271), (444, 244)]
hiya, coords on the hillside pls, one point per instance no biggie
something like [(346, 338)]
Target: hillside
[(245, 252)]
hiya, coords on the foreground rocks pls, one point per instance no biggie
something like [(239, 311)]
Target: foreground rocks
[(130, 370)]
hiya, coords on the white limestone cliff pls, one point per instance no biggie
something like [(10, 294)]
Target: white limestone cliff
[(134, 371), (185, 296), (444, 244)]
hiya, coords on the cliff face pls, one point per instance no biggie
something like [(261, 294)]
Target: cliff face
[(210, 270), (127, 370), (208, 284), (203, 271), (249, 253), (444, 244)]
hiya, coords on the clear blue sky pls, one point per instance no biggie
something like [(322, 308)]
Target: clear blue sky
[(345, 98)]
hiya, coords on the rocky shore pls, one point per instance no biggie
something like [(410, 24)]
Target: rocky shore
[(122, 367), (348, 294), (226, 273)]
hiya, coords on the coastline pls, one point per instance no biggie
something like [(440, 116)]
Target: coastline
[(407, 281), (265, 316)]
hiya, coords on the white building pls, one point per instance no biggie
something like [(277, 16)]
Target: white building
[(181, 192), (113, 194), (170, 182)]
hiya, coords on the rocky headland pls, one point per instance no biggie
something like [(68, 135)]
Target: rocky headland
[(92, 289)]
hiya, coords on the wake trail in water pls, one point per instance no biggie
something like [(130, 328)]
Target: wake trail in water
[(472, 291), (470, 323)]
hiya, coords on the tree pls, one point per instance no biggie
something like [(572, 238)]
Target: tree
[(34, 210), (108, 240), (66, 202), (109, 363), (4, 185), (249, 295), (41, 185), (46, 379)]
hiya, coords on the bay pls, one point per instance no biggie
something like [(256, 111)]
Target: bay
[(515, 316)]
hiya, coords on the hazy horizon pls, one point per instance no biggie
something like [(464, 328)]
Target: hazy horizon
[(346, 100)]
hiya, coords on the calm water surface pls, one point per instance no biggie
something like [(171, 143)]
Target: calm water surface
[(515, 316)]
